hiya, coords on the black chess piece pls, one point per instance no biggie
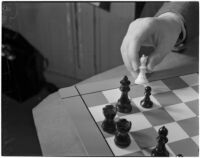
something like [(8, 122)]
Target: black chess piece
[(146, 102), (179, 155), (124, 104), (160, 149), (108, 125), (122, 138)]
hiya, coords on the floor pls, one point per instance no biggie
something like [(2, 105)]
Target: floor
[(19, 137)]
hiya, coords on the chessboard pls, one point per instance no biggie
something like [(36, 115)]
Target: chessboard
[(175, 106)]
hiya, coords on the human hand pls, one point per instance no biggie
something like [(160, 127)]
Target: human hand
[(159, 32)]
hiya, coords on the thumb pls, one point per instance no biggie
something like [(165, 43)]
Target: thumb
[(156, 57)]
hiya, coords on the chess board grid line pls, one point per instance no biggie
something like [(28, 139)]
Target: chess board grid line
[(71, 96), (131, 85), (95, 122)]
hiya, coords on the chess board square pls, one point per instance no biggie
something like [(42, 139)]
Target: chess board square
[(145, 138), (97, 112), (196, 88), (196, 140), (158, 87), (136, 91), (158, 117), (179, 111), (175, 132), (171, 153), (186, 94), (191, 79), (186, 147), (156, 104), (175, 83), (138, 121), (112, 95), (132, 148), (190, 126), (194, 106), (167, 98), (94, 99), (105, 134)]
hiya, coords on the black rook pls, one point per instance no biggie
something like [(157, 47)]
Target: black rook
[(108, 124)]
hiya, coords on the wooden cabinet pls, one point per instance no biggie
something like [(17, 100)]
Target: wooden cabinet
[(99, 36), (111, 27)]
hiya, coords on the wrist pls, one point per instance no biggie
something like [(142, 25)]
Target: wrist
[(176, 20)]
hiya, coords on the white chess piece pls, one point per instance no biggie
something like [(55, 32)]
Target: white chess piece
[(141, 78)]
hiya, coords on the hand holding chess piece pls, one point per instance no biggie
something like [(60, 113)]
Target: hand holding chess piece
[(141, 78), (154, 32)]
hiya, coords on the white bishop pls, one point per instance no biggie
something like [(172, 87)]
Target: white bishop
[(141, 78)]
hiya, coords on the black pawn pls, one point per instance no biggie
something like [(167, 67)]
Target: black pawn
[(108, 125), (146, 102), (124, 104), (160, 149), (122, 138)]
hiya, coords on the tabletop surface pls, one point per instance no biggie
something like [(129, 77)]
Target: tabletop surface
[(58, 125)]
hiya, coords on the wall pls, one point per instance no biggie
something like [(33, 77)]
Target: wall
[(79, 40)]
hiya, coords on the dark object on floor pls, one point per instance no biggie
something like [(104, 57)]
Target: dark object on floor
[(19, 136), (22, 67), (23, 87)]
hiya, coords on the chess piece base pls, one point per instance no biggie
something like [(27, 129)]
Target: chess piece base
[(146, 104), (109, 126), (141, 81), (141, 78), (122, 141), (164, 153), (124, 108)]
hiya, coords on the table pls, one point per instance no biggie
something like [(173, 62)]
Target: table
[(58, 125)]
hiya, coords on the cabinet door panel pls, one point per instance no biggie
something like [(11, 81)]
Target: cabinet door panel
[(100, 34), (111, 28), (84, 20), (48, 27)]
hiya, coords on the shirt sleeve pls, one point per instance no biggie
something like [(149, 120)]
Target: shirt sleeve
[(189, 13)]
